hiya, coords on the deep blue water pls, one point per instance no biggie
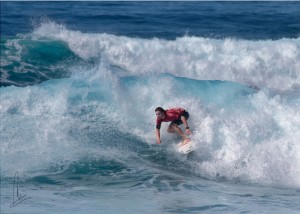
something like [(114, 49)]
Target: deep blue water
[(80, 82), (168, 20)]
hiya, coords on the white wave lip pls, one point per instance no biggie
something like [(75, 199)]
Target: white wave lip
[(274, 64)]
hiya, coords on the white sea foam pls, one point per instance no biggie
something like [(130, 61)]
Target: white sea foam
[(266, 63)]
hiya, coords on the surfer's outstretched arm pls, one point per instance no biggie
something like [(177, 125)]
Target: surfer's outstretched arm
[(158, 136)]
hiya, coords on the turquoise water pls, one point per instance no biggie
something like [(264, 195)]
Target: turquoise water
[(80, 82)]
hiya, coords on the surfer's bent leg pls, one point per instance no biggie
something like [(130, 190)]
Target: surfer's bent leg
[(171, 129), (174, 128)]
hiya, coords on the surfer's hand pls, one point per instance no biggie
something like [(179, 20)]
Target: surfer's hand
[(188, 131)]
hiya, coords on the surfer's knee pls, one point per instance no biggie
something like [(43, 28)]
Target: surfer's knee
[(171, 129)]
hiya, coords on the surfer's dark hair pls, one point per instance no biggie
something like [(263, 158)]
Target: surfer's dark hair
[(160, 109)]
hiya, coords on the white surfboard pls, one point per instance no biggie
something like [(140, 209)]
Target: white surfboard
[(186, 148)]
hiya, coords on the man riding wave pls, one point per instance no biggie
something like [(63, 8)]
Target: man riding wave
[(176, 116)]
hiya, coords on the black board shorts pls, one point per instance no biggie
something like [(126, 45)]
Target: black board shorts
[(179, 121)]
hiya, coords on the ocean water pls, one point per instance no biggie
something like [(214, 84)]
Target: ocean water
[(80, 82)]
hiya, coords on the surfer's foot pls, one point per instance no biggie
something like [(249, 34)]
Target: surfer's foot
[(185, 141)]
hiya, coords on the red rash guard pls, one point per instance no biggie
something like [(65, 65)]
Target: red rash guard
[(170, 115)]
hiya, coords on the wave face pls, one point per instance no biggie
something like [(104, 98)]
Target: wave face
[(97, 105)]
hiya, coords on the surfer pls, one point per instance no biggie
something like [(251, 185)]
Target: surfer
[(176, 116)]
